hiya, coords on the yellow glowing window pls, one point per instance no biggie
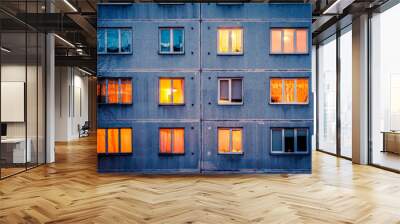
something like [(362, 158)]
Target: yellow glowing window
[(112, 140), (126, 140), (289, 41), (172, 91), (230, 140), (172, 140), (289, 91), (101, 140), (230, 41)]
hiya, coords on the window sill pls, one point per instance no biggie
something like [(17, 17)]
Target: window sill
[(306, 53), (114, 154), (230, 104), (119, 53), (171, 104), (171, 53), (288, 153), (231, 153), (230, 54), (298, 104), (115, 104), (170, 154)]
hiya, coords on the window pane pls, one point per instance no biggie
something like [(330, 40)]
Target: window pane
[(276, 90), (289, 140), (126, 41), (101, 140), (301, 41), (276, 140), (276, 41), (236, 90), (178, 40), (179, 140), (101, 41), (126, 91), (113, 145), (302, 90), (126, 140), (165, 140), (223, 91), (288, 40), (289, 90), (165, 40), (237, 42), (223, 44), (112, 41), (236, 140), (223, 140), (178, 91), (112, 91), (101, 91), (165, 91), (302, 140)]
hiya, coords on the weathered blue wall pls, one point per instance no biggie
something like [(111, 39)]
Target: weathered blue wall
[(200, 66)]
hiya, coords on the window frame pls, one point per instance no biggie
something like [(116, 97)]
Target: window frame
[(119, 40), (106, 153), (119, 79), (230, 53), (172, 95), (171, 38), (295, 152), (294, 41), (231, 129), (295, 90), (229, 90), (172, 153)]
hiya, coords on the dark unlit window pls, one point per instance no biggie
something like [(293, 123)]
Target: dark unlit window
[(289, 140), (230, 91)]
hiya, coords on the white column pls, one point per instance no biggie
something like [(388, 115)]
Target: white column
[(50, 99)]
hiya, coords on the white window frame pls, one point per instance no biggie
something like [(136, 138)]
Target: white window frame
[(230, 52), (171, 79), (230, 140), (230, 91), (294, 40), (119, 40), (295, 141), (295, 91), (171, 39)]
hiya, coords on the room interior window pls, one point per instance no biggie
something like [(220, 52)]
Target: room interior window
[(114, 90), (171, 40), (171, 91), (230, 41), (114, 140), (230, 91), (230, 140), (289, 140), (289, 41), (172, 140), (114, 41), (289, 90)]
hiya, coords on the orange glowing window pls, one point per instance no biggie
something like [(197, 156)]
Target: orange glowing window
[(172, 140), (230, 140), (101, 140), (126, 140), (126, 91), (112, 91), (101, 91), (230, 40), (113, 140), (289, 41), (171, 91), (289, 91)]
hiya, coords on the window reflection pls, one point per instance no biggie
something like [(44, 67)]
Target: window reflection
[(171, 40), (112, 41), (165, 40), (101, 45), (126, 39)]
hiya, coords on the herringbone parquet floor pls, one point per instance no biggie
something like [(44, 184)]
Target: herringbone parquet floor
[(71, 191)]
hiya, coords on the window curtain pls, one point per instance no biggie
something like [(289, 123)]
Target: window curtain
[(236, 90), (276, 90), (236, 140), (126, 41), (113, 141), (112, 91), (179, 140), (112, 40), (276, 41), (178, 40), (165, 140), (236, 38), (224, 90), (178, 91), (301, 41), (126, 91), (288, 40), (101, 140), (302, 90), (165, 40), (289, 90), (223, 37), (277, 140), (165, 91), (223, 140), (126, 140)]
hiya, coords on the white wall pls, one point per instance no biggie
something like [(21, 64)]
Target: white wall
[(71, 102)]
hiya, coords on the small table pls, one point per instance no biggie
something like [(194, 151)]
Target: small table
[(391, 141), (13, 150)]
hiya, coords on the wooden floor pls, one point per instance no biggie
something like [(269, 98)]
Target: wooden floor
[(71, 191)]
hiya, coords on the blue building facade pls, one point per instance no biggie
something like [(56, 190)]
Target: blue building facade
[(204, 88)]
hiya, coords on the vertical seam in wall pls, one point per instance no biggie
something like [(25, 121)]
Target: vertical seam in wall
[(200, 93)]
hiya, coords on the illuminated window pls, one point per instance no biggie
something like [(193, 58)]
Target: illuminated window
[(289, 41), (230, 41), (230, 91), (171, 91), (230, 140), (289, 91), (289, 140), (172, 140), (114, 91), (114, 140), (171, 40), (114, 41)]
